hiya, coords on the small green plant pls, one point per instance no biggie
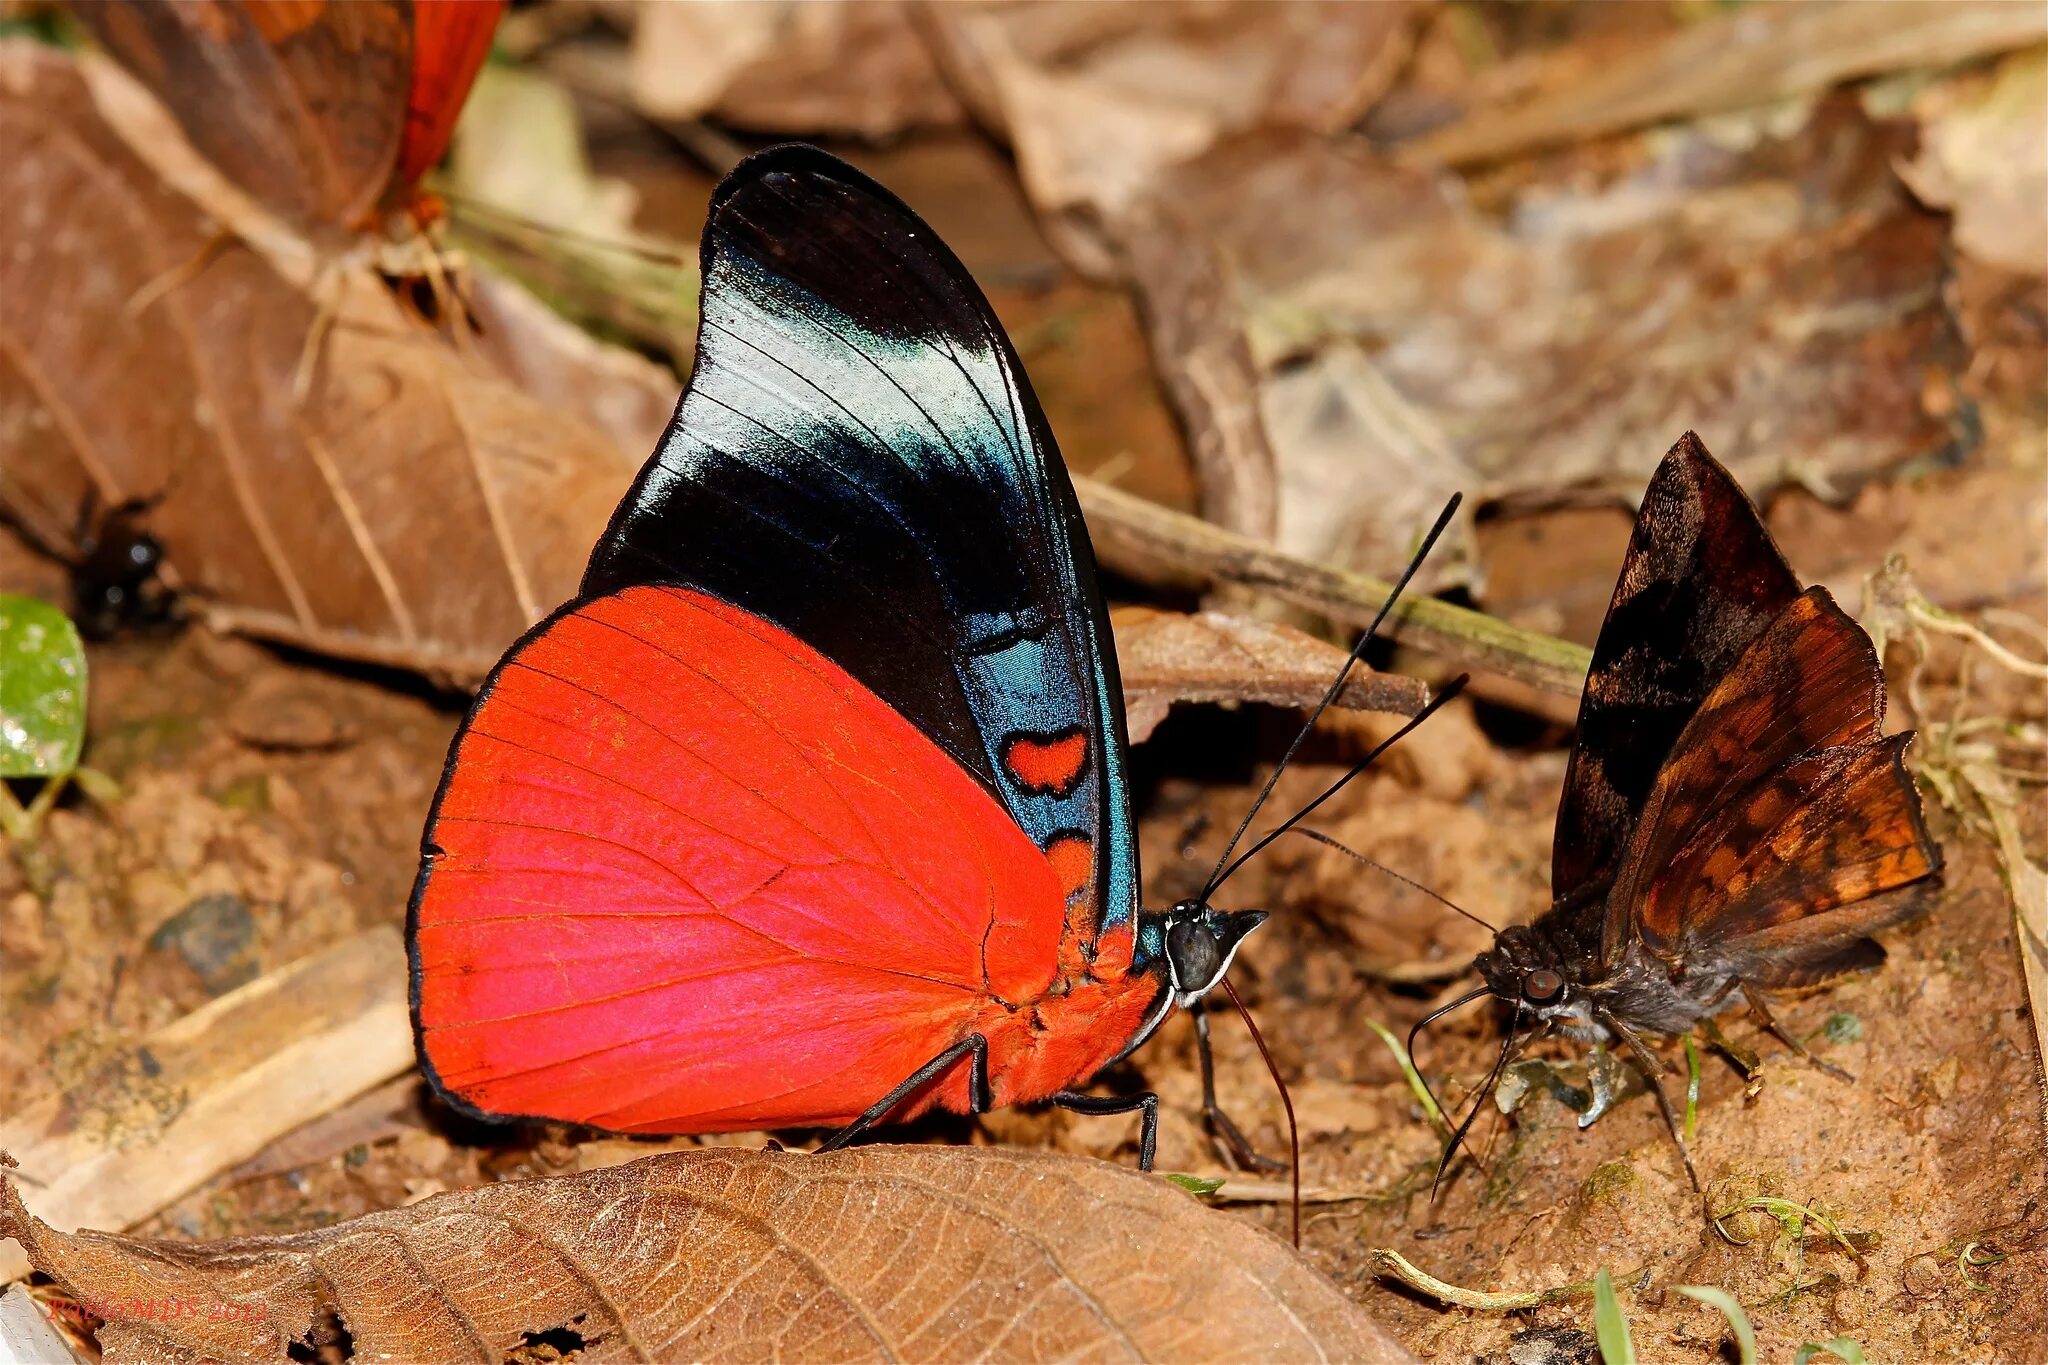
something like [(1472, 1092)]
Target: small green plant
[(1195, 1184), (1975, 1256), (42, 711), (1738, 1321), (1792, 1220), (1845, 1349), (1610, 1324)]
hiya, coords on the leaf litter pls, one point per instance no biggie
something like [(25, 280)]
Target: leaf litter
[(1945, 1062)]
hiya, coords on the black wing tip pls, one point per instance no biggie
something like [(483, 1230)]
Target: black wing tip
[(800, 161)]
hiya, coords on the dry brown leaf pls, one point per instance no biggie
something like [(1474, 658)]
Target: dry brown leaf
[(1773, 289), (1746, 57), (781, 66), (414, 508), (1099, 99), (1167, 657), (1984, 156), (903, 1253)]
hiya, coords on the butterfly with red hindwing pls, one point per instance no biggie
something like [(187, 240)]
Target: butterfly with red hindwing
[(1733, 819), (812, 808)]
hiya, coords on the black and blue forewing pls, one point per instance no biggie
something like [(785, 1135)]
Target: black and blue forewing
[(859, 458)]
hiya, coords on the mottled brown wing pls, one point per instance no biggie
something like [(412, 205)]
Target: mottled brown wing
[(1809, 682), (300, 102), (1810, 845), (1702, 579)]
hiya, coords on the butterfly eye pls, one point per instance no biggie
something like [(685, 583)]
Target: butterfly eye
[(1542, 986)]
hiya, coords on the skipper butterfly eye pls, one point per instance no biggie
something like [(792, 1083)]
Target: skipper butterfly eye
[(1542, 987)]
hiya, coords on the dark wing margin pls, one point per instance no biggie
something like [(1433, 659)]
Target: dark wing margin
[(1701, 581), (859, 458)]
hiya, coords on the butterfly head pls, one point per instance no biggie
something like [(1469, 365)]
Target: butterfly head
[(1195, 943), (1524, 969)]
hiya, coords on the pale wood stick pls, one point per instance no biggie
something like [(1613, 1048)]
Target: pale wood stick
[(210, 1090), (1156, 544)]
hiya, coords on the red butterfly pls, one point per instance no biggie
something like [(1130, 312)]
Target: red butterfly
[(812, 808), (1733, 819), (328, 111)]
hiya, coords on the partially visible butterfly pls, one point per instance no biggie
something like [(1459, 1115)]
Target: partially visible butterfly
[(813, 808), (1733, 820), (327, 111)]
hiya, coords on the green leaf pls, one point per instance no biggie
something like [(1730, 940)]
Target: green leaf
[(1843, 1028), (1194, 1184), (1610, 1324), (42, 689), (1842, 1348), (1738, 1321)]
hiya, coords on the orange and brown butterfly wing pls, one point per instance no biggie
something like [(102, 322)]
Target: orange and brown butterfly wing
[(451, 39), (1779, 803), (1701, 581), (300, 102)]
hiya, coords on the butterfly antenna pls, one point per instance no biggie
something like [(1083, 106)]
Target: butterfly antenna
[(1348, 851), (1443, 698), (1357, 652), (512, 220), (1507, 1050), (1286, 1102), (1424, 1022)]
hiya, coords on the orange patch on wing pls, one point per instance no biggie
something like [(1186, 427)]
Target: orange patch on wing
[(1073, 862), (1052, 765)]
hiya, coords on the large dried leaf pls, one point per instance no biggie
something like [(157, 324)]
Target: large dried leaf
[(781, 66), (1099, 99), (1166, 657), (1774, 289), (906, 1253), (413, 507)]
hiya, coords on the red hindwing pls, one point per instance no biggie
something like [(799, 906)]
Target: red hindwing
[(686, 874)]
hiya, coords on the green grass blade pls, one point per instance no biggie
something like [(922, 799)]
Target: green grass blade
[(1414, 1077), (1845, 1349), (1610, 1324), (1738, 1321)]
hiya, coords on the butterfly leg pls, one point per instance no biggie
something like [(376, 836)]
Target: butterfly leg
[(978, 1098), (1148, 1128), (1226, 1131), (1653, 1071), (1771, 1025)]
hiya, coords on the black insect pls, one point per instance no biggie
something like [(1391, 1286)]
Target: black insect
[(116, 572)]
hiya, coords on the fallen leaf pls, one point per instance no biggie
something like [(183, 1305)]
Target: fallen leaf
[(780, 66), (1167, 658), (1984, 156), (1098, 100), (904, 1253), (1195, 325), (414, 508), (1772, 287), (1745, 57)]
